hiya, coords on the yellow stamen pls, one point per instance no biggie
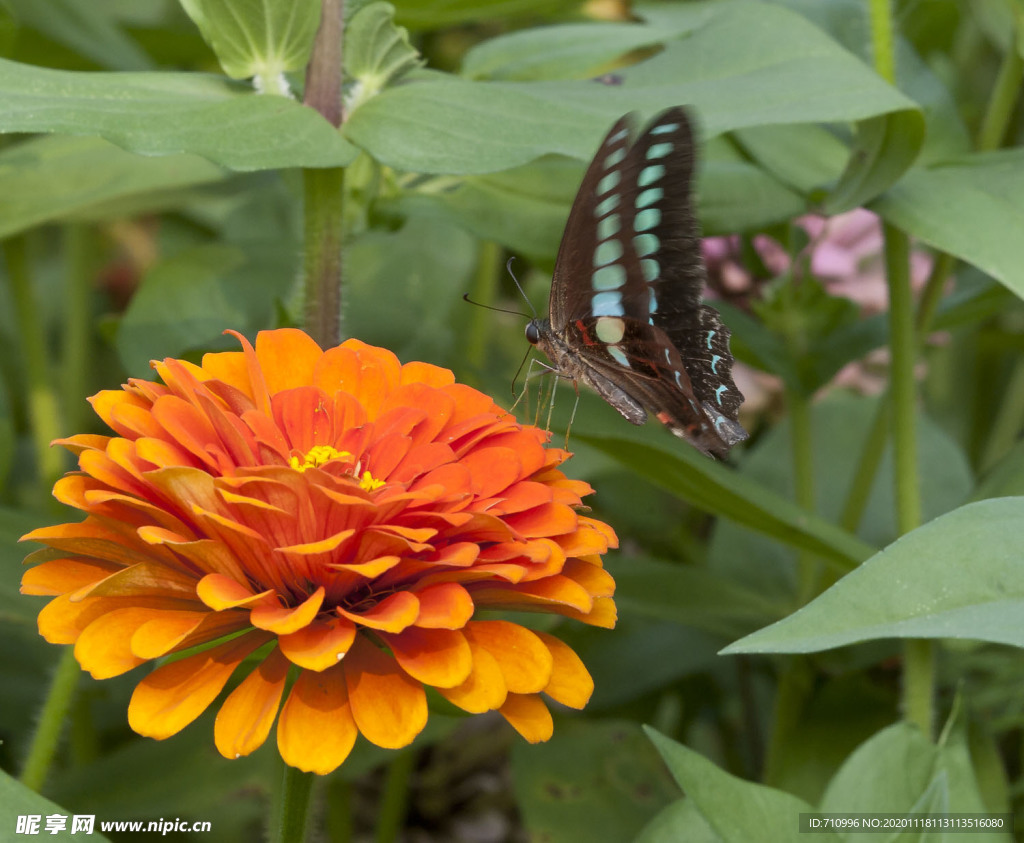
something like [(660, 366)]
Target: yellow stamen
[(317, 456), (369, 482)]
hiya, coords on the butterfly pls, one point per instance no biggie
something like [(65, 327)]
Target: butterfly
[(625, 312)]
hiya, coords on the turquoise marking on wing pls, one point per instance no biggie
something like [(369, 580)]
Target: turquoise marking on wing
[(607, 304), (658, 150), (607, 205), (619, 356), (609, 277), (645, 244), (664, 128), (608, 251), (653, 307), (619, 135), (647, 219), (614, 158), (608, 227), (610, 329), (651, 269), (608, 183), (650, 174), (714, 362), (711, 336), (679, 383), (718, 393), (649, 197)]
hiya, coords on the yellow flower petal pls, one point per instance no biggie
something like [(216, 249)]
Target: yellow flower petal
[(316, 730), (245, 718), (389, 708)]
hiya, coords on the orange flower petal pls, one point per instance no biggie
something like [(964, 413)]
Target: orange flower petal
[(287, 358), (604, 613), (167, 631), (319, 645), (104, 647), (484, 689), (146, 578), (524, 660), (245, 718), (493, 470), (283, 620), (393, 614), (528, 715), (550, 519), (571, 683), (550, 591), (220, 592), (175, 694), (389, 708), (437, 657), (446, 605), (426, 373), (316, 731), (60, 576)]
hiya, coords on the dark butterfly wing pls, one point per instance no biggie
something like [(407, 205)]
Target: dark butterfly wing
[(570, 285), (628, 280)]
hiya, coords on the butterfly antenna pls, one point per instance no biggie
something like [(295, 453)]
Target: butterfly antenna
[(508, 268), (466, 298)]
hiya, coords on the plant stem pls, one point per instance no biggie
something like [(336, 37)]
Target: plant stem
[(483, 291), (394, 802), (51, 721), (880, 12), (296, 789), (1004, 98), (803, 482), (790, 698), (43, 406), (76, 347), (323, 188), (867, 467)]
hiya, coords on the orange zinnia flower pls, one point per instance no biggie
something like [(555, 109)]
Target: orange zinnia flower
[(336, 516)]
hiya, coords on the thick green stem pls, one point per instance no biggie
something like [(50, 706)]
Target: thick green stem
[(293, 808), (880, 12), (322, 193), (1003, 100), (323, 188), (919, 655), (790, 698), (802, 445), (44, 409), (395, 800), (51, 721)]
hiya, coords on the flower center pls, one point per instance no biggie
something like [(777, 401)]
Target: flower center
[(317, 456), (320, 455)]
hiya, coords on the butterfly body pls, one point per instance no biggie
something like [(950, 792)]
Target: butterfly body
[(625, 309)]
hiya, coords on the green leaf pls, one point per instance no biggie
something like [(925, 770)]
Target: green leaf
[(377, 52), (165, 113), (712, 487), (430, 14), (806, 157), (965, 208), (87, 28), (739, 811), (886, 147), (51, 178), (679, 821), (568, 51), (8, 27), (257, 38), (899, 770), (591, 781), (788, 72), (955, 577), (18, 800), (688, 595), (840, 424)]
